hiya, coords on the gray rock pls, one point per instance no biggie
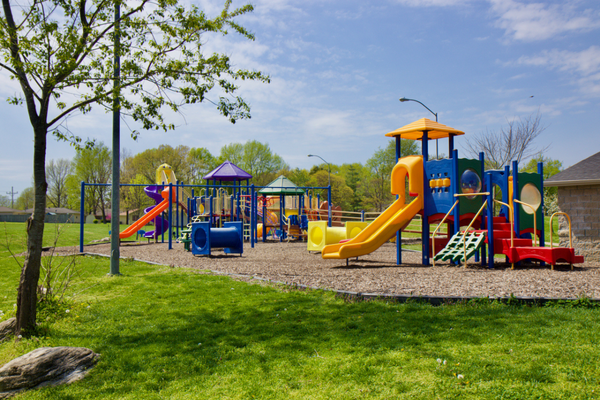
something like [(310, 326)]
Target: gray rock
[(46, 366), (7, 328)]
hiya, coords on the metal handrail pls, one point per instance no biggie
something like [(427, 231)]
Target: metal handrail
[(464, 240), (552, 231), (512, 224), (438, 227), (534, 220)]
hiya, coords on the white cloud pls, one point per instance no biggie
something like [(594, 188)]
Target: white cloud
[(540, 21), (585, 65), (432, 3)]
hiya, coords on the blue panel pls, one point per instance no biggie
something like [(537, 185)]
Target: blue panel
[(500, 178), (200, 238), (235, 239), (438, 199)]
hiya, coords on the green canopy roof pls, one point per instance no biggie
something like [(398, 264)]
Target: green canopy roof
[(281, 185)]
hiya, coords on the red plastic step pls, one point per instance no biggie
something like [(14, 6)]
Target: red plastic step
[(547, 254), (501, 245), (501, 226)]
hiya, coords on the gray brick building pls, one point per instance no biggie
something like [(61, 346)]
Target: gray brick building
[(579, 196)]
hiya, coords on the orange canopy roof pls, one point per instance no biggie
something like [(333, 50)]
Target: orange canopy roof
[(414, 131)]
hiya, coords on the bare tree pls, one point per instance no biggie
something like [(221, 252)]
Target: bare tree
[(513, 142), (56, 176)]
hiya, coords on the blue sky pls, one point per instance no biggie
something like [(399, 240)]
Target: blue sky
[(339, 67)]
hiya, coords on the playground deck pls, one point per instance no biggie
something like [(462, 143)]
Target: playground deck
[(376, 272)]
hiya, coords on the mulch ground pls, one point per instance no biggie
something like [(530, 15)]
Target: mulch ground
[(376, 273)]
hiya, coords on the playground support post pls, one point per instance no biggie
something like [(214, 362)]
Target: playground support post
[(425, 219), (540, 168), (252, 216), (170, 215), (490, 220), (329, 205), (399, 233)]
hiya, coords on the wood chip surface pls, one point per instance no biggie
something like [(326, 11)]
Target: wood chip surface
[(376, 273)]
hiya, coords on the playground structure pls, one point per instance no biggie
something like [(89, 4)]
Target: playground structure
[(456, 192), (204, 238), (452, 193), (164, 175), (320, 235)]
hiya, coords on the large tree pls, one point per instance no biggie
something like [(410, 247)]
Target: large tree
[(56, 175), (94, 166), (256, 158), (146, 163), (376, 185), (26, 199), (61, 54), (515, 141)]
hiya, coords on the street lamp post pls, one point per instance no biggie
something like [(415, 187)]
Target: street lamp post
[(328, 167), (403, 99), (329, 189)]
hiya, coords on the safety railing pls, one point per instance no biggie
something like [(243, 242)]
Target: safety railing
[(552, 231), (464, 236), (534, 220), (438, 227)]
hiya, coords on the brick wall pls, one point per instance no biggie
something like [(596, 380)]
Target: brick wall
[(582, 203)]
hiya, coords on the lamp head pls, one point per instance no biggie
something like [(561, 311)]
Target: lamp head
[(310, 155), (403, 99)]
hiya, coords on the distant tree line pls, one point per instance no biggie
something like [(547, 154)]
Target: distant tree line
[(354, 186)]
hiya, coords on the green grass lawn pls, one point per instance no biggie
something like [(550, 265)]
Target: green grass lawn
[(169, 333)]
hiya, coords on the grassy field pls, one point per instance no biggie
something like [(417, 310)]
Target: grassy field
[(169, 333)]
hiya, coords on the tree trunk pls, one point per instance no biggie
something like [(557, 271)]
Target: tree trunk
[(30, 274)]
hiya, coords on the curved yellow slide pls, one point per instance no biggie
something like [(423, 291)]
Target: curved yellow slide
[(396, 217)]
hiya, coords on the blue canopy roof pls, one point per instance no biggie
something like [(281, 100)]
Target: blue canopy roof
[(228, 171)]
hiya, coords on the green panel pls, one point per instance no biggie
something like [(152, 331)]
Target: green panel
[(455, 249), (469, 205), (525, 219)]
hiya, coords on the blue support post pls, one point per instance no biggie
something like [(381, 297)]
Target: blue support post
[(362, 215), (329, 206), (252, 217), (455, 187), (480, 256), (490, 221), (399, 233), (425, 220), (264, 231), (177, 185), (170, 215), (210, 210), (542, 230), (515, 174), (81, 216)]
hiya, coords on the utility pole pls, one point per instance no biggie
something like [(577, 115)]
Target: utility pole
[(12, 196)]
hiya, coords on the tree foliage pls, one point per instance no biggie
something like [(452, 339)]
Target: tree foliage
[(61, 54), (256, 158), (94, 166), (26, 199), (513, 142), (377, 187), (56, 176), (200, 162), (5, 201), (551, 168)]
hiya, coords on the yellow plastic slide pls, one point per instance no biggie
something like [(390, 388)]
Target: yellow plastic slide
[(396, 217)]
